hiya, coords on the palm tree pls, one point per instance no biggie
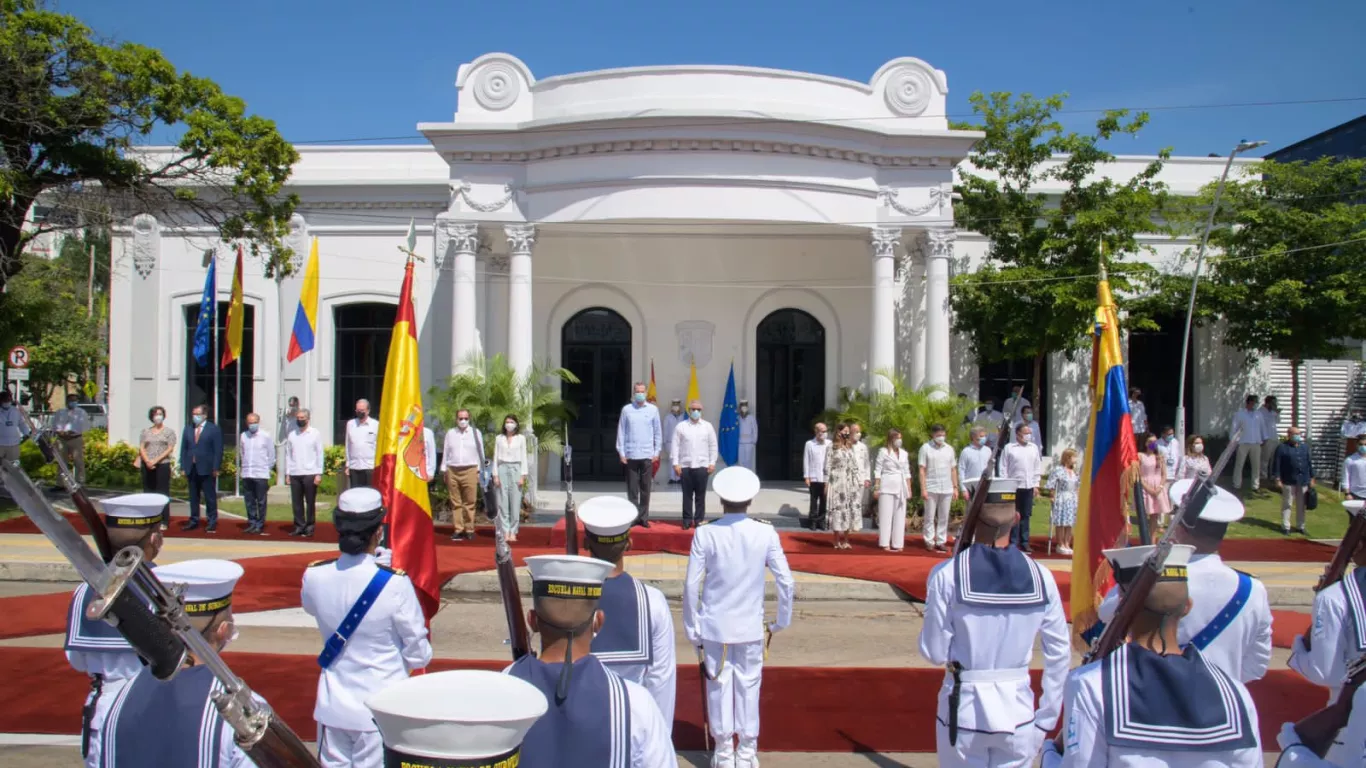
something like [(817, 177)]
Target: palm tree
[(490, 389), (912, 411)]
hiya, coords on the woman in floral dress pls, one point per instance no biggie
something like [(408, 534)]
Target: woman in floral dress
[(1064, 483), (843, 487)]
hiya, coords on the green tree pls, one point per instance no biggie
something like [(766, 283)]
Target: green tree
[(47, 312), (490, 389), (1289, 282), (73, 109), (1034, 192), (911, 411)]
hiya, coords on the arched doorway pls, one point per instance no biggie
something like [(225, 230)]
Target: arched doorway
[(363, 331), (200, 387), (790, 379), (595, 345)]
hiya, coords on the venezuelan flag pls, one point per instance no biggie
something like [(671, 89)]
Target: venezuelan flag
[(401, 469), (233, 349), (306, 318), (1111, 466)]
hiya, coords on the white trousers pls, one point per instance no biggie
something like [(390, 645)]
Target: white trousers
[(937, 519), (340, 748), (1269, 456), (983, 750), (1248, 452), (1292, 495), (891, 521), (733, 697), (747, 455), (108, 693)]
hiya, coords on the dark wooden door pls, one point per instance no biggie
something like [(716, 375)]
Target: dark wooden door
[(596, 347), (790, 379)]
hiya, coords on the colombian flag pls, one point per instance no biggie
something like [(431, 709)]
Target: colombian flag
[(401, 468), (306, 318), (1111, 466), (233, 349)]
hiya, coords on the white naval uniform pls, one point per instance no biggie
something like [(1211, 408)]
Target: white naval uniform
[(389, 643), (998, 724), (725, 616), (749, 440), (115, 663), (1088, 744), (1296, 755), (1338, 638), (660, 675), (1242, 649)]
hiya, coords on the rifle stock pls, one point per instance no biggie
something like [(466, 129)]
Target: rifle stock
[(1318, 730), (571, 512), (979, 494), (1332, 573), (518, 636)]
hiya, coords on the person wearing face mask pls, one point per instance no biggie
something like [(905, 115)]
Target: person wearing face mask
[(174, 722), (373, 630), (891, 489), (1354, 470), (1138, 414), (1353, 426), (1035, 432), (1171, 453), (640, 436), (71, 424), (201, 457), (362, 433), (14, 427), (1251, 432), (813, 470), (749, 437), (1195, 463), (973, 461), (255, 458), (510, 473), (671, 420), (693, 453), (461, 459), (1152, 475), (155, 446), (938, 480), (304, 447), (93, 646), (1015, 405), (1294, 474), (1022, 462)]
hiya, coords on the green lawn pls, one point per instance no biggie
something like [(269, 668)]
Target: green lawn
[(282, 513)]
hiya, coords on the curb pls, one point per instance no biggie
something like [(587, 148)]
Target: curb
[(480, 585)]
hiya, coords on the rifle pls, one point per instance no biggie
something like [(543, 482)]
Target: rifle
[(1131, 600), (1318, 729), (518, 636), (571, 514), (979, 494), (1332, 573), (152, 618)]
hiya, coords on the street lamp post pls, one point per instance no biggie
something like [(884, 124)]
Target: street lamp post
[(1243, 146)]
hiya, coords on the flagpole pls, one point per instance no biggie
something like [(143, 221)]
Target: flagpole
[(213, 254)]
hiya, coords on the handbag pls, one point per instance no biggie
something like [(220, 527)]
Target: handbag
[(1311, 498)]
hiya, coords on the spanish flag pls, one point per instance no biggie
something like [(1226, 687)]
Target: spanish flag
[(651, 396), (306, 317), (233, 349), (1111, 466), (401, 466)]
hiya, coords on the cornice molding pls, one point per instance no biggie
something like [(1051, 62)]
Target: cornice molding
[(637, 146), (345, 205)]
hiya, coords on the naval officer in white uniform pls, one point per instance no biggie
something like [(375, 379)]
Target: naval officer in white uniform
[(983, 609), (1298, 755), (1230, 621), (1339, 630), (1153, 702), (174, 722), (93, 646), (637, 637), (596, 717), (461, 717), (723, 613), (373, 630)]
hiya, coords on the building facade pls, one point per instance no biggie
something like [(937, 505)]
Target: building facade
[(797, 225)]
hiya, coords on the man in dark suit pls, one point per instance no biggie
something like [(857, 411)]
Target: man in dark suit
[(201, 455)]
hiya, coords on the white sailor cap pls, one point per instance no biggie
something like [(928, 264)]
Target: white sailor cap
[(208, 584), (608, 519), (454, 716), (1354, 506), (359, 501), (744, 402), (136, 510), (1126, 562), (1002, 490), (1222, 507), (736, 485), (676, 401), (567, 576)]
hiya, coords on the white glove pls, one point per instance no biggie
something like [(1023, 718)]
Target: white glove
[(775, 627), (383, 556)]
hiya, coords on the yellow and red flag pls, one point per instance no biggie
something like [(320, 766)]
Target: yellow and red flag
[(651, 394), (401, 468), (233, 349)]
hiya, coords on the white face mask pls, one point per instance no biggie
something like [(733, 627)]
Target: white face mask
[(897, 443), (510, 426), (938, 439), (463, 423), (1198, 448)]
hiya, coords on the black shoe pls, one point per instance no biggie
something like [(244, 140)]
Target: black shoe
[(457, 536), (1301, 531), (687, 524), (644, 522), (212, 528), (189, 526), (297, 531), (308, 531)]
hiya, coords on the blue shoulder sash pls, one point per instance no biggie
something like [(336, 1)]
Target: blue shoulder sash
[(337, 642), (1227, 614), (625, 634), (998, 577), (1173, 702)]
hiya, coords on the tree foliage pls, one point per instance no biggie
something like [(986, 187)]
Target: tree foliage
[(490, 389), (1048, 214), (906, 409), (1293, 236), (72, 111)]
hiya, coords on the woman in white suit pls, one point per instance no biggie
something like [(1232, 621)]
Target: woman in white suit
[(891, 488)]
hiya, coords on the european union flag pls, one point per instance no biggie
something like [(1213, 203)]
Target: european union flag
[(203, 332), (728, 441)]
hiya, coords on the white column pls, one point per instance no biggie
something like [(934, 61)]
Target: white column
[(937, 365), (464, 243), (913, 311), (521, 238), (882, 351)]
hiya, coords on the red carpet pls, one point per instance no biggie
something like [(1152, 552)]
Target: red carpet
[(843, 709)]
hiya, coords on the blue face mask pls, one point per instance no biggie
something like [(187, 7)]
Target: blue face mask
[(198, 419), (695, 414), (1298, 439), (639, 397), (1361, 449), (253, 428)]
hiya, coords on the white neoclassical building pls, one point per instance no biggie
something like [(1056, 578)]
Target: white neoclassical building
[(797, 225)]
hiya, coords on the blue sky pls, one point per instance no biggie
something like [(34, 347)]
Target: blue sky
[(345, 69)]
